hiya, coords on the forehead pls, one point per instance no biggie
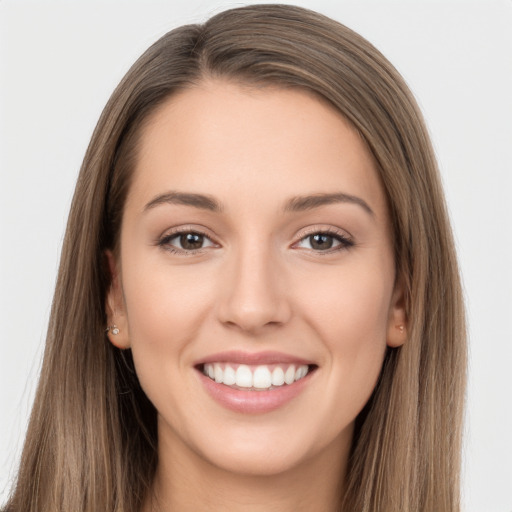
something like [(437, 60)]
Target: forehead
[(236, 141)]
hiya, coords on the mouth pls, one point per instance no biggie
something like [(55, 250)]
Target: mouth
[(254, 383), (262, 377)]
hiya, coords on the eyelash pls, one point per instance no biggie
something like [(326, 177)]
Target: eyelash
[(345, 242), (164, 242)]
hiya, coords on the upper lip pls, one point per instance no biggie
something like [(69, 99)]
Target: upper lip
[(254, 358)]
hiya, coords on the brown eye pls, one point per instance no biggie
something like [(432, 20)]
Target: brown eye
[(185, 242), (325, 241), (321, 241), (191, 241)]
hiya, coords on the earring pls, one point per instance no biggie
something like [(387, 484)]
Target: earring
[(400, 328), (113, 328)]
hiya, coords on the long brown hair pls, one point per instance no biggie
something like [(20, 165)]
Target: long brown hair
[(91, 444)]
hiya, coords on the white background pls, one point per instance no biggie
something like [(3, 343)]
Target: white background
[(59, 62)]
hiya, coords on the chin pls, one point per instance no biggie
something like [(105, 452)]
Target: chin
[(257, 464), (269, 452)]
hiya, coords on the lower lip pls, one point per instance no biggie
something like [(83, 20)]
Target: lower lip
[(253, 402)]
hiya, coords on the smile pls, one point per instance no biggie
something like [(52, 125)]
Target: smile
[(260, 377), (255, 383)]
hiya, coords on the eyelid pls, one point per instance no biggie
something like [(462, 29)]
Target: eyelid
[(344, 237), (331, 230), (163, 239)]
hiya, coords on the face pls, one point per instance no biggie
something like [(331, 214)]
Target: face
[(255, 283)]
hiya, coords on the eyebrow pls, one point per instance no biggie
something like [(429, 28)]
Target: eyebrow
[(302, 203), (202, 201), (294, 204)]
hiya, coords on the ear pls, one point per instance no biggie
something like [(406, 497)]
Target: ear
[(397, 320), (117, 328)]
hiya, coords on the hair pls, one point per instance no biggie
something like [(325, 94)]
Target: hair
[(92, 440)]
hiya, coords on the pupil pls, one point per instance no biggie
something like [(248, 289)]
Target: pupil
[(191, 241), (321, 241)]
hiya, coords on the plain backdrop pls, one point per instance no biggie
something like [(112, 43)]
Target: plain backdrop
[(59, 62)]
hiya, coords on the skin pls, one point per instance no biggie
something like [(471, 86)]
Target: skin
[(258, 283)]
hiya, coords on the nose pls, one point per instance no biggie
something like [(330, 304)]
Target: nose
[(254, 296)]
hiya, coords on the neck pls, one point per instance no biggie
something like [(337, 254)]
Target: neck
[(187, 482)]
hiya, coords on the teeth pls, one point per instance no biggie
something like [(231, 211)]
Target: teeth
[(277, 376), (262, 378), (243, 376), (289, 376), (257, 377), (218, 373), (229, 376), (301, 372)]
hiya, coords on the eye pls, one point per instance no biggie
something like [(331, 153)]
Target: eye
[(185, 242), (325, 241)]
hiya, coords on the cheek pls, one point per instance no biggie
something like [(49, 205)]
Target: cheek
[(349, 306), (165, 310), (350, 318), (164, 306)]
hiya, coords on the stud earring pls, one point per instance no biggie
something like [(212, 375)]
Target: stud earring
[(113, 328), (400, 328)]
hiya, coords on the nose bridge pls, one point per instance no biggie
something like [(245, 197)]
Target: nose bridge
[(254, 295)]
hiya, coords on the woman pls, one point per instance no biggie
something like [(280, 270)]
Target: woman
[(258, 305)]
